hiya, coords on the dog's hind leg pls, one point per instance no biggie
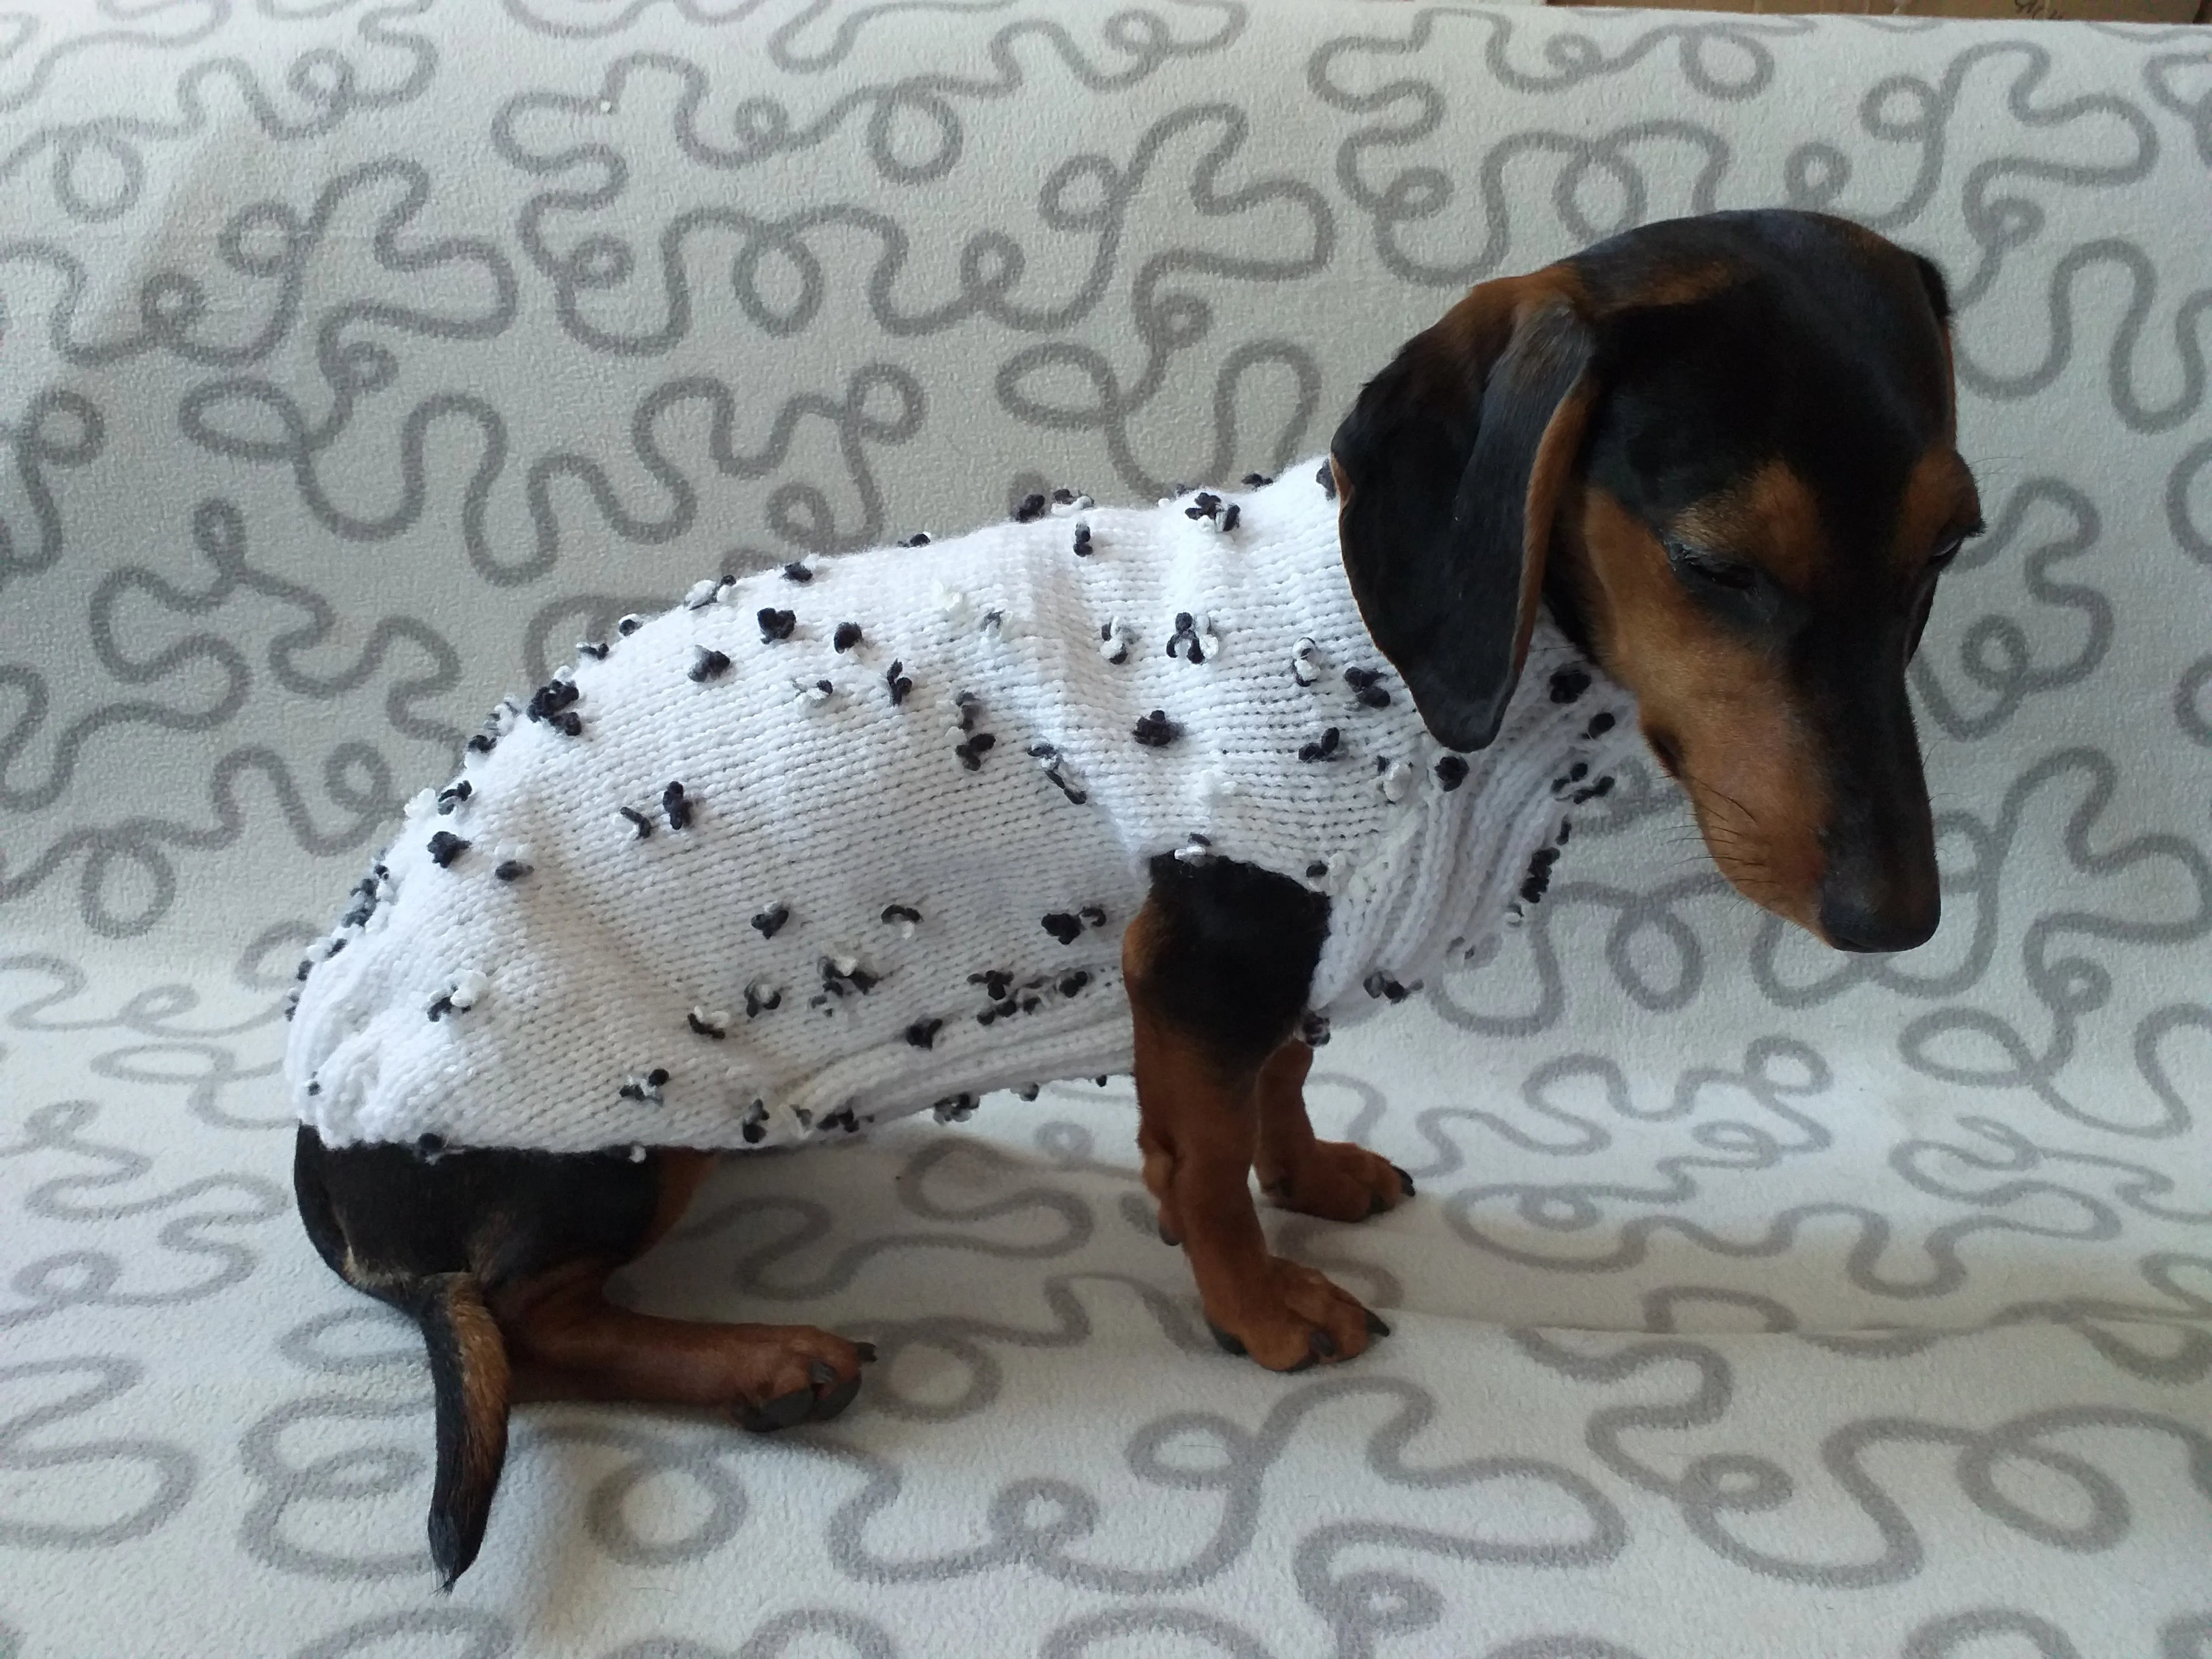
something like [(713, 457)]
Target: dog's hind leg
[(566, 1341), (501, 1258), (1333, 1179)]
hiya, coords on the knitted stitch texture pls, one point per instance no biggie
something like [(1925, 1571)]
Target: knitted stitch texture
[(823, 846)]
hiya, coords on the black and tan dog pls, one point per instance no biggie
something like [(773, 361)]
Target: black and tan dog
[(1719, 450)]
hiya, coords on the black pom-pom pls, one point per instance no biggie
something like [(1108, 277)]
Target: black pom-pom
[(797, 572), (1539, 874), (922, 1034), (710, 665), (678, 809), (846, 636), (775, 625), (1156, 730), (1326, 748), (1380, 984), (1451, 772), (1326, 479), (895, 678), (771, 920), (549, 699), (1032, 506), (445, 847), (1063, 927)]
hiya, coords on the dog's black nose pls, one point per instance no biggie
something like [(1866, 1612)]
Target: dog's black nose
[(1854, 920)]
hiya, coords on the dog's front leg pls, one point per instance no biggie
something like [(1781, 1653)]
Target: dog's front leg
[(1216, 965), (1335, 1179)]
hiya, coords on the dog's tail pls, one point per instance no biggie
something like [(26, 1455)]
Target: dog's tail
[(469, 1377)]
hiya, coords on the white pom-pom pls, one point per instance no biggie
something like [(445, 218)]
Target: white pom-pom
[(1398, 781), (469, 987), (702, 593), (951, 603)]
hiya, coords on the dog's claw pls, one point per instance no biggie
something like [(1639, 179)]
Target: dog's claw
[(866, 1351), (820, 1372), (1376, 1206), (1405, 1180), (1374, 1325), (835, 1400), (1168, 1238), (1227, 1343), (1321, 1344)]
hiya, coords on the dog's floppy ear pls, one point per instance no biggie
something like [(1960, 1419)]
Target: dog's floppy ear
[(1447, 470)]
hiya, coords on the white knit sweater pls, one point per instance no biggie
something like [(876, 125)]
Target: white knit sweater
[(920, 787)]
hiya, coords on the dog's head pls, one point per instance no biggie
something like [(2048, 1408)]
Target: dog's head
[(1722, 450)]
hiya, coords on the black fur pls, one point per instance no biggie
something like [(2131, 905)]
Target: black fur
[(1234, 954), (1435, 531)]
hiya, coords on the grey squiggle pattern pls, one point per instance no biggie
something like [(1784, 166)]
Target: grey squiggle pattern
[(362, 355)]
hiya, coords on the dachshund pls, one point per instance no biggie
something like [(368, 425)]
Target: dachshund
[(1718, 453)]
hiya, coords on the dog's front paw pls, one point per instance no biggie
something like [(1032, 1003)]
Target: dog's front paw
[(1337, 1180), (1294, 1318)]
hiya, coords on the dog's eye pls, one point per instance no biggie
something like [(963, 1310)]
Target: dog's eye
[(1945, 555), (1700, 569)]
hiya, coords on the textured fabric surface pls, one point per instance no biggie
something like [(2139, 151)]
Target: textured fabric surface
[(359, 358), (781, 862)]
